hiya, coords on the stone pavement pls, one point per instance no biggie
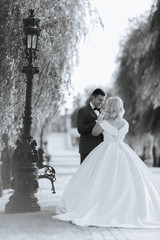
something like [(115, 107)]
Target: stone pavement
[(40, 225)]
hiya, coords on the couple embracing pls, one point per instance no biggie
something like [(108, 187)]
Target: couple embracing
[(112, 187)]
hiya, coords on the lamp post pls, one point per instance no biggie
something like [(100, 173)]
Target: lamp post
[(25, 155)]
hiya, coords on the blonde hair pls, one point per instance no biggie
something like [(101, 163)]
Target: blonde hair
[(114, 108)]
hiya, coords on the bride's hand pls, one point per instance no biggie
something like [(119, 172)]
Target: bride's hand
[(102, 112), (100, 118)]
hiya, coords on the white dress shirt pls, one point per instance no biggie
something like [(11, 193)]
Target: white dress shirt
[(92, 106)]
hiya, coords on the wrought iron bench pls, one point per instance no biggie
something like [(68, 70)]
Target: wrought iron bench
[(48, 171)]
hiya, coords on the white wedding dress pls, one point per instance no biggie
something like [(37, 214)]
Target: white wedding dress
[(112, 187)]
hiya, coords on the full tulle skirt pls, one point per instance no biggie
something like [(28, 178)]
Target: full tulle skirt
[(112, 188)]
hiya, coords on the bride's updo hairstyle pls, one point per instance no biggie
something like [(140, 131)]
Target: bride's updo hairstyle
[(114, 108)]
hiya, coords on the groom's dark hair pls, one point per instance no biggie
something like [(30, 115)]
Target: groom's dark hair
[(97, 92)]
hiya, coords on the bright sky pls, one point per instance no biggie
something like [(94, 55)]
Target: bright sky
[(98, 53)]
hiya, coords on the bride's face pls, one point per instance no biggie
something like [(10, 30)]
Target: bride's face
[(98, 100)]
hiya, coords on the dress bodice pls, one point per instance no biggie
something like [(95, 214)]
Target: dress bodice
[(112, 133)]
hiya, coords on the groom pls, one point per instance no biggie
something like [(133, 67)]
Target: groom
[(85, 122)]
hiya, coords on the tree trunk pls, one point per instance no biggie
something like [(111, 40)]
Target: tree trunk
[(1, 189)]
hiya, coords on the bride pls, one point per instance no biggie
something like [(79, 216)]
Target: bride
[(112, 187)]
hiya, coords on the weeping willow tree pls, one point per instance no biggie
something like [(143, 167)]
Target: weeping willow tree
[(63, 25), (137, 80)]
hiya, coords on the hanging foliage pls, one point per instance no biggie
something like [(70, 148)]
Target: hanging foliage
[(138, 75), (62, 24)]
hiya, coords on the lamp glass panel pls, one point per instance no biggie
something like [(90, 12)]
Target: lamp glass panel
[(34, 41), (29, 40)]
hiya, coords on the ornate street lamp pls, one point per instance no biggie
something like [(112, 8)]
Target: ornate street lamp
[(25, 155)]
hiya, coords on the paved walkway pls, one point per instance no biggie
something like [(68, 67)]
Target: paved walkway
[(40, 225)]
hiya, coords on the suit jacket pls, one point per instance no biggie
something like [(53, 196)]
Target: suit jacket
[(85, 122)]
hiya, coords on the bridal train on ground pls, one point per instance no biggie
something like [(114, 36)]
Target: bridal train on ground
[(112, 187)]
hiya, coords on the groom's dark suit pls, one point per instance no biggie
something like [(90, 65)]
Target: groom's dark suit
[(85, 122)]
